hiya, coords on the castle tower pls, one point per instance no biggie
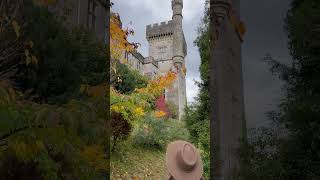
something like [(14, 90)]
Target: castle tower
[(167, 46), (228, 122)]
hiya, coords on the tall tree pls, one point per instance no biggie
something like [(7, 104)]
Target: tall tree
[(197, 115), (294, 154)]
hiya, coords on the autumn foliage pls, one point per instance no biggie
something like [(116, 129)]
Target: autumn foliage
[(132, 106), (48, 129), (136, 104), (161, 106), (119, 38)]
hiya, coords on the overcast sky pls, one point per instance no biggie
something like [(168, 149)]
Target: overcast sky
[(265, 34), (137, 14), (264, 21)]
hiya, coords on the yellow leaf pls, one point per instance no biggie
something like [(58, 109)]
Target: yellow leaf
[(83, 88), (16, 27), (31, 44), (160, 114), (241, 28), (40, 144), (115, 108), (34, 60), (98, 91), (139, 111), (96, 157), (26, 52), (28, 60)]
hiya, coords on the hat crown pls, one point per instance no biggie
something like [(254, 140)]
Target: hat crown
[(187, 157)]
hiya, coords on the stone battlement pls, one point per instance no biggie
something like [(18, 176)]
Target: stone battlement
[(159, 30)]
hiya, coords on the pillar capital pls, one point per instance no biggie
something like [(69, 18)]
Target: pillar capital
[(221, 8)]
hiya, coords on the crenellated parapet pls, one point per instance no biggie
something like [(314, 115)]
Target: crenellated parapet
[(175, 2), (159, 30)]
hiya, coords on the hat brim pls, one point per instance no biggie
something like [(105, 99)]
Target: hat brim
[(173, 167)]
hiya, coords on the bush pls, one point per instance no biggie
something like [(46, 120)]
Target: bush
[(64, 57), (120, 127), (40, 141), (157, 133)]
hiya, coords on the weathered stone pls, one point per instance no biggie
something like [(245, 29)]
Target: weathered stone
[(228, 124), (168, 47)]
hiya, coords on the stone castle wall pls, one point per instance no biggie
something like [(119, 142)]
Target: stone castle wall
[(162, 37), (161, 48)]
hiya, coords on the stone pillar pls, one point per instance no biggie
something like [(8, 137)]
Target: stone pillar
[(227, 85)]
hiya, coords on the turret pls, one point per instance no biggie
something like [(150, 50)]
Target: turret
[(179, 44), (177, 6)]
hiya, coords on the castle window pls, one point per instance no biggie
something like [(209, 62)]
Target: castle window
[(91, 18), (162, 49)]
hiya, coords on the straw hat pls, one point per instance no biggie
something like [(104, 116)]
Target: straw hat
[(183, 161)]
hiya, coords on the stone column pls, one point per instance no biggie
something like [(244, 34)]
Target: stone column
[(227, 89)]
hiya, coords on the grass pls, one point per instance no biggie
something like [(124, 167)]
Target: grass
[(130, 161)]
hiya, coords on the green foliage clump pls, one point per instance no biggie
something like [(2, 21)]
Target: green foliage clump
[(173, 110), (49, 142), (66, 57), (197, 115), (157, 133), (48, 129), (259, 155), (128, 80)]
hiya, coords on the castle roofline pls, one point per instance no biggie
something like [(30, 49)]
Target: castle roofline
[(149, 60), (138, 55), (159, 29)]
